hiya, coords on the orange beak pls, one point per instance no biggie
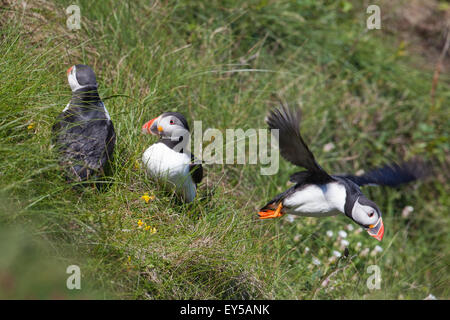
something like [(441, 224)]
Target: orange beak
[(377, 231), (147, 127), (69, 70)]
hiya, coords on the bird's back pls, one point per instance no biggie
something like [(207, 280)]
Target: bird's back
[(85, 139)]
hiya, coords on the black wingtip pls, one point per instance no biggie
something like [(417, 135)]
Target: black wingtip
[(408, 171), (282, 115), (292, 146), (395, 174), (418, 168)]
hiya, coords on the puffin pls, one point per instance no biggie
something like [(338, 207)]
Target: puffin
[(169, 158), (316, 193), (83, 132)]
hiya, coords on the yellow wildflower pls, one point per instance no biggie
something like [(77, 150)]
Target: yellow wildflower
[(149, 228), (140, 223), (147, 198), (30, 126), (401, 51)]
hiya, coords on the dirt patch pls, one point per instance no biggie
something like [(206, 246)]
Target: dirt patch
[(41, 21), (422, 25)]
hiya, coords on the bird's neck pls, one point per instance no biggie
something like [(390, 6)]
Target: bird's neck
[(175, 143), (85, 95), (352, 196)]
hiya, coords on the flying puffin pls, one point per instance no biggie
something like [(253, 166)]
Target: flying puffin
[(84, 133), (318, 194), (169, 158)]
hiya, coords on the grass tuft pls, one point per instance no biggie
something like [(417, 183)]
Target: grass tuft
[(224, 64)]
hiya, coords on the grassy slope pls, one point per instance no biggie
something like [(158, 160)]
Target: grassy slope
[(356, 91)]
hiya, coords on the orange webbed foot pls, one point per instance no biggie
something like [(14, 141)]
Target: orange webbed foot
[(270, 213)]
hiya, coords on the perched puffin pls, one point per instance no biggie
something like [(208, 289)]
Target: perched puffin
[(84, 133), (169, 159), (318, 194)]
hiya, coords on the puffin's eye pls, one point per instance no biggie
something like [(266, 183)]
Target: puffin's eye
[(371, 213), (172, 122)]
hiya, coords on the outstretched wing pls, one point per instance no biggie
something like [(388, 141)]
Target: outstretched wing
[(391, 175), (292, 146)]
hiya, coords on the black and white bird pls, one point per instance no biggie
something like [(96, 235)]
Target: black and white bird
[(317, 193), (169, 159), (84, 133)]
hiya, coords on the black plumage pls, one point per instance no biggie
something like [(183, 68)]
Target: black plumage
[(391, 175), (83, 134), (294, 149), (317, 193), (292, 146), (196, 170)]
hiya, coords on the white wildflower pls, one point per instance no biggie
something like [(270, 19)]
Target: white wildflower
[(365, 252), (342, 234), (329, 233), (378, 249), (290, 218), (407, 211), (328, 147)]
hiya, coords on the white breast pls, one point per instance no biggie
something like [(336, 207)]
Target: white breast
[(163, 163), (317, 200)]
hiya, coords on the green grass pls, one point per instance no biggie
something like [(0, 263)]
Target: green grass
[(224, 64)]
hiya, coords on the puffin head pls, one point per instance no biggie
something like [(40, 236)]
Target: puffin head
[(167, 125), (81, 76), (367, 214)]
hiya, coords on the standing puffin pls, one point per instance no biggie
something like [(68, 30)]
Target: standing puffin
[(84, 133), (169, 158), (318, 194)]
